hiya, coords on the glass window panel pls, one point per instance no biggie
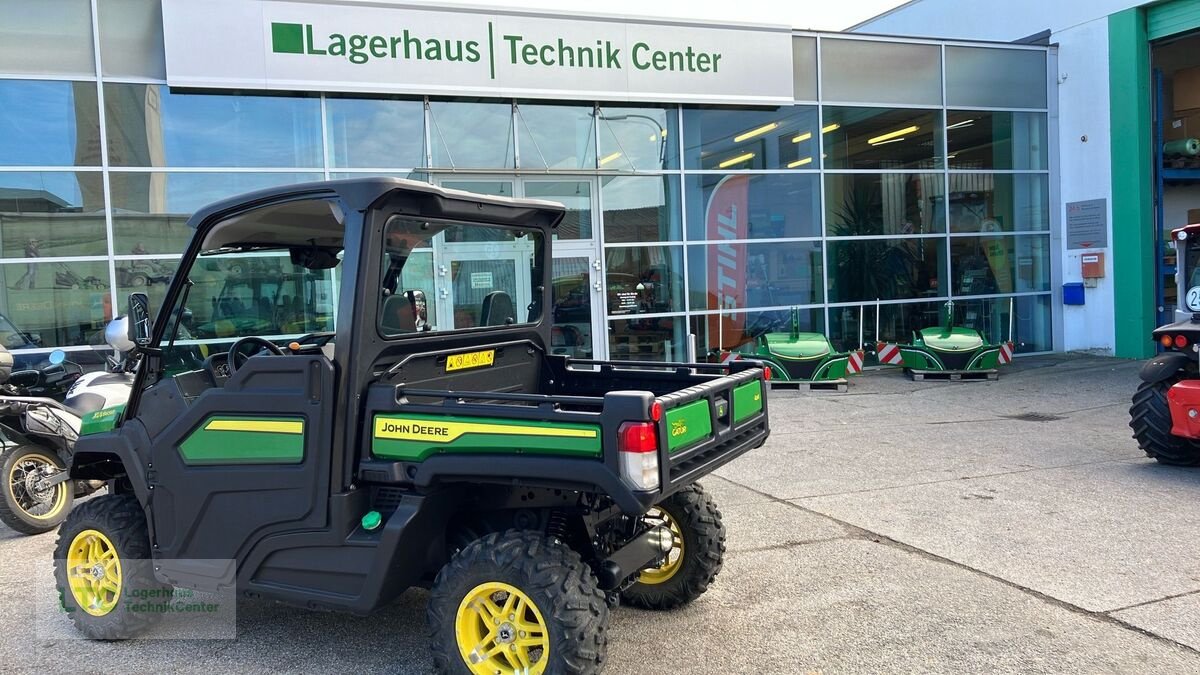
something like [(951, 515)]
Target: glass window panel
[(150, 210), (556, 136), (1032, 323), (996, 140), (772, 138), (150, 126), (880, 72), (641, 208), (131, 38), (571, 294), (151, 276), (49, 123), (1001, 78), (644, 280), (844, 323), (66, 305), (804, 68), (419, 176), (898, 321), (47, 215), (735, 276), (882, 138), (576, 195), (886, 269), (639, 139), (718, 334), (999, 202), (47, 37), (497, 188), (375, 133), (864, 204), (1000, 264), (764, 206), (471, 134), (656, 339)]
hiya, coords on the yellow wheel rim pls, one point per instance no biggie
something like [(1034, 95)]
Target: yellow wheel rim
[(94, 572), (664, 572), (500, 630), (23, 479)]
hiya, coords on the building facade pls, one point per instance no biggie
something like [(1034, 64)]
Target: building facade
[(865, 185)]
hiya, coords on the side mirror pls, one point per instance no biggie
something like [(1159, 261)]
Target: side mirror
[(57, 357), (139, 319), (420, 309)]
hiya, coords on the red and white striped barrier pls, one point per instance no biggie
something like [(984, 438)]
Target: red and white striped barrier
[(1006, 353), (854, 364), (889, 354)]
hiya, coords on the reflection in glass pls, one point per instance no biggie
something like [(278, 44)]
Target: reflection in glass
[(1031, 323), (51, 214), (576, 195), (471, 134), (882, 138), (556, 136), (753, 206), (639, 139), (641, 208), (865, 204), (151, 276), (57, 304), (648, 339), (49, 123), (899, 321), (881, 72), (1000, 264), (995, 78), (887, 269), (375, 133), (150, 210), (150, 126), (999, 202), (724, 138), (996, 140), (644, 280), (571, 293), (717, 334), (736, 276)]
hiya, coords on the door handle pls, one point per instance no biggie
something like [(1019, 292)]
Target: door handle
[(597, 286), (442, 270), (596, 264), (444, 293)]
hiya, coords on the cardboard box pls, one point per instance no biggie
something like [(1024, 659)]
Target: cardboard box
[(1185, 85), (1193, 216), (1182, 126)]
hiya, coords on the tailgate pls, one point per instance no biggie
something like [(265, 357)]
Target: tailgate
[(709, 424)]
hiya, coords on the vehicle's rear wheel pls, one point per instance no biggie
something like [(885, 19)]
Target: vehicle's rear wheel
[(517, 602), (28, 506), (1150, 419), (103, 569), (693, 562)]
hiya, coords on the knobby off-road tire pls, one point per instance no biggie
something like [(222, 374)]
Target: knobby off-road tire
[(100, 530), (1150, 419), (696, 559), (24, 510), (550, 585)]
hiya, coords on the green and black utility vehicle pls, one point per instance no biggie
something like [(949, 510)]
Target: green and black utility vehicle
[(418, 442)]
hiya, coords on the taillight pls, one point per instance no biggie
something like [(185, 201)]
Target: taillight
[(638, 446), (1181, 341), (1165, 340), (767, 373), (656, 411)]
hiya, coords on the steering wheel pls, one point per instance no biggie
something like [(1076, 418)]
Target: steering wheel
[(236, 359)]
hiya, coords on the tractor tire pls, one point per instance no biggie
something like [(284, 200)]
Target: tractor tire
[(23, 507), (511, 600), (104, 572), (1150, 419), (693, 562)]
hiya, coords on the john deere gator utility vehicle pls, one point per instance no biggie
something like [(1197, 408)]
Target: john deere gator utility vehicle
[(1165, 415), (426, 439)]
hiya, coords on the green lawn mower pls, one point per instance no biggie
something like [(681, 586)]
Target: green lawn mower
[(948, 351)]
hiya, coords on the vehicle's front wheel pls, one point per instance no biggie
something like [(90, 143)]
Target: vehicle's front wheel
[(694, 560), (28, 505), (1150, 419), (517, 602), (103, 569)]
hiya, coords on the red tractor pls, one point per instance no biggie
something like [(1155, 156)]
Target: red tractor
[(1165, 415)]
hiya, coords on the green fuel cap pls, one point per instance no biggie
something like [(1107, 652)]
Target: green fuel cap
[(371, 520)]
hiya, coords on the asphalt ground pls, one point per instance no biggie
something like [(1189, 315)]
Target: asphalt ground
[(1008, 526)]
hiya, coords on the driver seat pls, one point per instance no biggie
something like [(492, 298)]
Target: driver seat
[(498, 309)]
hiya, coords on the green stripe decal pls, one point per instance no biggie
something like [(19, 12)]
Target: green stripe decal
[(687, 425), (747, 400), (245, 440), (413, 438), (100, 420)]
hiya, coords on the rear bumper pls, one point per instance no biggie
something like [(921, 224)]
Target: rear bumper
[(1184, 401)]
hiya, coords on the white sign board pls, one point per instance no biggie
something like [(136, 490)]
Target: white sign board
[(394, 48)]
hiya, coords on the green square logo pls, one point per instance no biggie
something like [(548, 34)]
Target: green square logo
[(287, 38)]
